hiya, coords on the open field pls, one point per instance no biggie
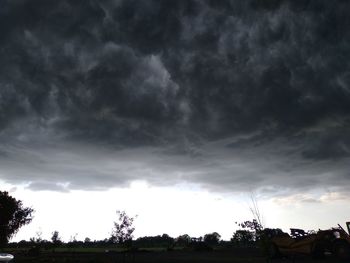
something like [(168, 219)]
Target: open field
[(144, 256)]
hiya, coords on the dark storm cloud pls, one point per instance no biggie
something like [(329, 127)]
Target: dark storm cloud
[(179, 76)]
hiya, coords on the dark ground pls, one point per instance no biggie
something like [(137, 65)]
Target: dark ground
[(232, 255)]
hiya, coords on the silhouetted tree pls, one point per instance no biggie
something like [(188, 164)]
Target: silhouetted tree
[(254, 226), (254, 209), (38, 238), (212, 239), (55, 238), (243, 238), (123, 229), (183, 240), (273, 232), (155, 241), (12, 216)]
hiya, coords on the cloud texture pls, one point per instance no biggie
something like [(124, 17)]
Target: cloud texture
[(228, 94)]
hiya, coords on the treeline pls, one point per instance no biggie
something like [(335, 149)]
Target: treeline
[(240, 238), (14, 215)]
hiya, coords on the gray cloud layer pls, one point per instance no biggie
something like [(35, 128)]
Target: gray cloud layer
[(176, 78)]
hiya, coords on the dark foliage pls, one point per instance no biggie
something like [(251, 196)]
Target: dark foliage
[(243, 238), (154, 241), (13, 215), (252, 225), (55, 238), (123, 229), (183, 240), (212, 239)]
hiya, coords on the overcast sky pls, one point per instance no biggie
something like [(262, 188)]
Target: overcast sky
[(148, 104)]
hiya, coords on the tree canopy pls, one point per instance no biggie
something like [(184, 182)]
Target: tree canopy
[(13, 215), (123, 228), (212, 238)]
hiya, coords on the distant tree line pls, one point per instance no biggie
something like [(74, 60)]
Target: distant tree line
[(240, 238), (13, 215)]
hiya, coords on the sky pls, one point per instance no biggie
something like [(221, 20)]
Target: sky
[(175, 111)]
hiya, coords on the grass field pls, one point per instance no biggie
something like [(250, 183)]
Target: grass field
[(99, 255)]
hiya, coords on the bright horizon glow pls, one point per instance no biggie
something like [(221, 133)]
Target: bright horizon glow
[(181, 209)]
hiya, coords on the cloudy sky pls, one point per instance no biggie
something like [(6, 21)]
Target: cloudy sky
[(177, 111)]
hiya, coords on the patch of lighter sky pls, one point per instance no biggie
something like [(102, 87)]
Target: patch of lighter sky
[(301, 211), (173, 210), (181, 209)]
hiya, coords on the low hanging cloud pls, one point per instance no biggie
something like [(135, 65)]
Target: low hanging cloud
[(231, 95)]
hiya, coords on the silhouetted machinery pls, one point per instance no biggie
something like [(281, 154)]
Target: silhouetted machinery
[(335, 241)]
